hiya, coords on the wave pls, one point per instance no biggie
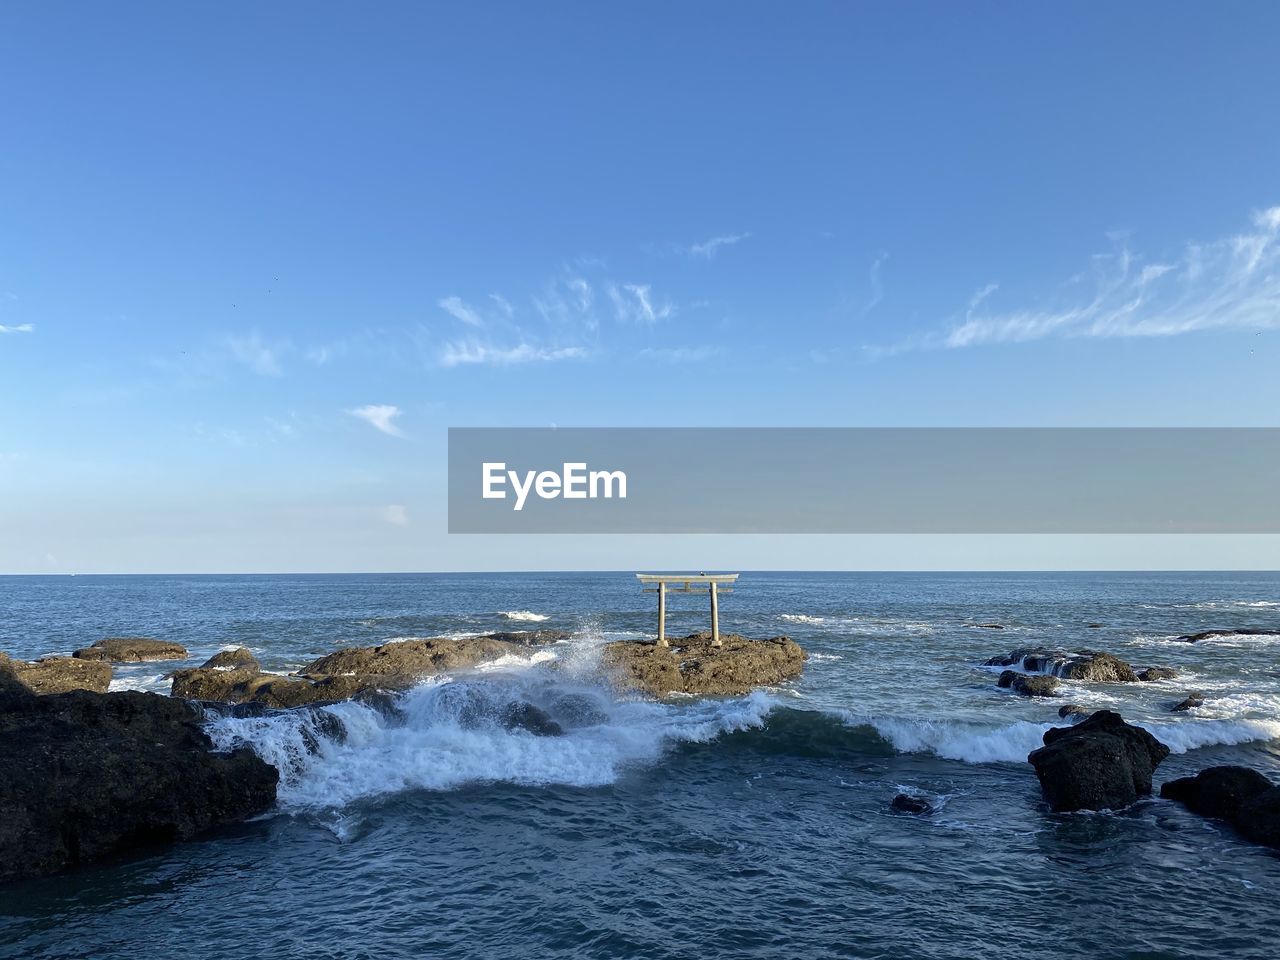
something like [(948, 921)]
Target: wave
[(1192, 734), (801, 618), (524, 615)]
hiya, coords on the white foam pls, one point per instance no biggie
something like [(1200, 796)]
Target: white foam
[(451, 734), (527, 615), (955, 740), (801, 618), (514, 661), (1190, 734)]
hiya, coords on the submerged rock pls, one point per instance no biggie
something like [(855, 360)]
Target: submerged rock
[(89, 775), (906, 803), (132, 650), (1193, 700), (241, 658), (1242, 631), (1072, 710), (1152, 674), (1243, 797), (1101, 763), (693, 666), (987, 626), (1035, 685), (1086, 665), (57, 674)]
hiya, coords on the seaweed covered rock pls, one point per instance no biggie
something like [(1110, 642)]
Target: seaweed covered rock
[(693, 666), (1101, 763), (132, 650), (57, 674), (88, 775)]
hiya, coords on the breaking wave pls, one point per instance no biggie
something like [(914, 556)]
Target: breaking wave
[(524, 615)]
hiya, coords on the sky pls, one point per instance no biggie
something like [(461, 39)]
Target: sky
[(255, 259)]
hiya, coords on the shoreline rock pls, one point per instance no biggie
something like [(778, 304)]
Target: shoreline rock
[(132, 650), (692, 666), (1086, 665), (1029, 685), (1101, 763), (1238, 632), (241, 658), (1152, 674), (91, 775), (1242, 797), (57, 674), (1195, 699)]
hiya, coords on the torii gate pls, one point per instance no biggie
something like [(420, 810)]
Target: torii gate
[(712, 584)]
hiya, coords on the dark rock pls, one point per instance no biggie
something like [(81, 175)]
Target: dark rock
[(421, 658), (132, 650), (273, 690), (1217, 791), (1243, 631), (693, 666), (1259, 818), (1072, 710), (241, 658), (1101, 763), (526, 716), (987, 626), (1035, 685), (1193, 700), (1006, 678), (89, 775), (1094, 626), (57, 674), (1086, 665), (1157, 673), (905, 803)]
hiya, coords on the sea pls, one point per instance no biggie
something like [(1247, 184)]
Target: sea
[(752, 826)]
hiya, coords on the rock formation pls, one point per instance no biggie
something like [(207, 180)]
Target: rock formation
[(1101, 763), (132, 650), (57, 674), (1243, 797), (693, 666)]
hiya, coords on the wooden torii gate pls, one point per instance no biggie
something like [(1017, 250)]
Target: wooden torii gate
[(712, 584)]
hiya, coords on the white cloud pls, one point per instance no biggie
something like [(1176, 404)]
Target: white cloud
[(473, 352), (1229, 283), (380, 416), (707, 248), (682, 354), (877, 286), (20, 328), (396, 514), (459, 309), (259, 356), (632, 303)]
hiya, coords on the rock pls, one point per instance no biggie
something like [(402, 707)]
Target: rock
[(1152, 674), (241, 658), (89, 775), (1193, 700), (1101, 763), (1259, 818), (905, 803), (1035, 685), (1006, 678), (526, 716), (1243, 631), (57, 674), (1072, 710), (693, 666), (132, 650), (1217, 791), (273, 690), (422, 658), (986, 626), (1093, 626), (1086, 665)]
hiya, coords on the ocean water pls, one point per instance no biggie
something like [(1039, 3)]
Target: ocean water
[(756, 826)]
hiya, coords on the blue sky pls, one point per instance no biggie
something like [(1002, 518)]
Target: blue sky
[(254, 259)]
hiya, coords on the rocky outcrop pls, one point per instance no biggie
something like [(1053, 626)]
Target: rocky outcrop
[(694, 666), (1244, 798), (1192, 701), (132, 650), (354, 671), (1101, 763), (241, 658), (1071, 711), (1152, 674), (1033, 685), (89, 775), (986, 626), (1242, 631), (906, 803), (57, 674), (1086, 665)]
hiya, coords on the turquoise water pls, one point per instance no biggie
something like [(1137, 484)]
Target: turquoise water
[(755, 826)]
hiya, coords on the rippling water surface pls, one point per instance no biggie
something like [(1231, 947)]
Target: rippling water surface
[(754, 826)]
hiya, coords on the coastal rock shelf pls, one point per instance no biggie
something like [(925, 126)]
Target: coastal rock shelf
[(132, 650), (90, 774), (343, 674), (694, 666), (56, 674)]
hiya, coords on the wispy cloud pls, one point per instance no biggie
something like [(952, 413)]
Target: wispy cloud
[(633, 303), (396, 514), (459, 309), (462, 353), (19, 328), (256, 354), (380, 416), (682, 354), (707, 249), (877, 285), (1229, 283)]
